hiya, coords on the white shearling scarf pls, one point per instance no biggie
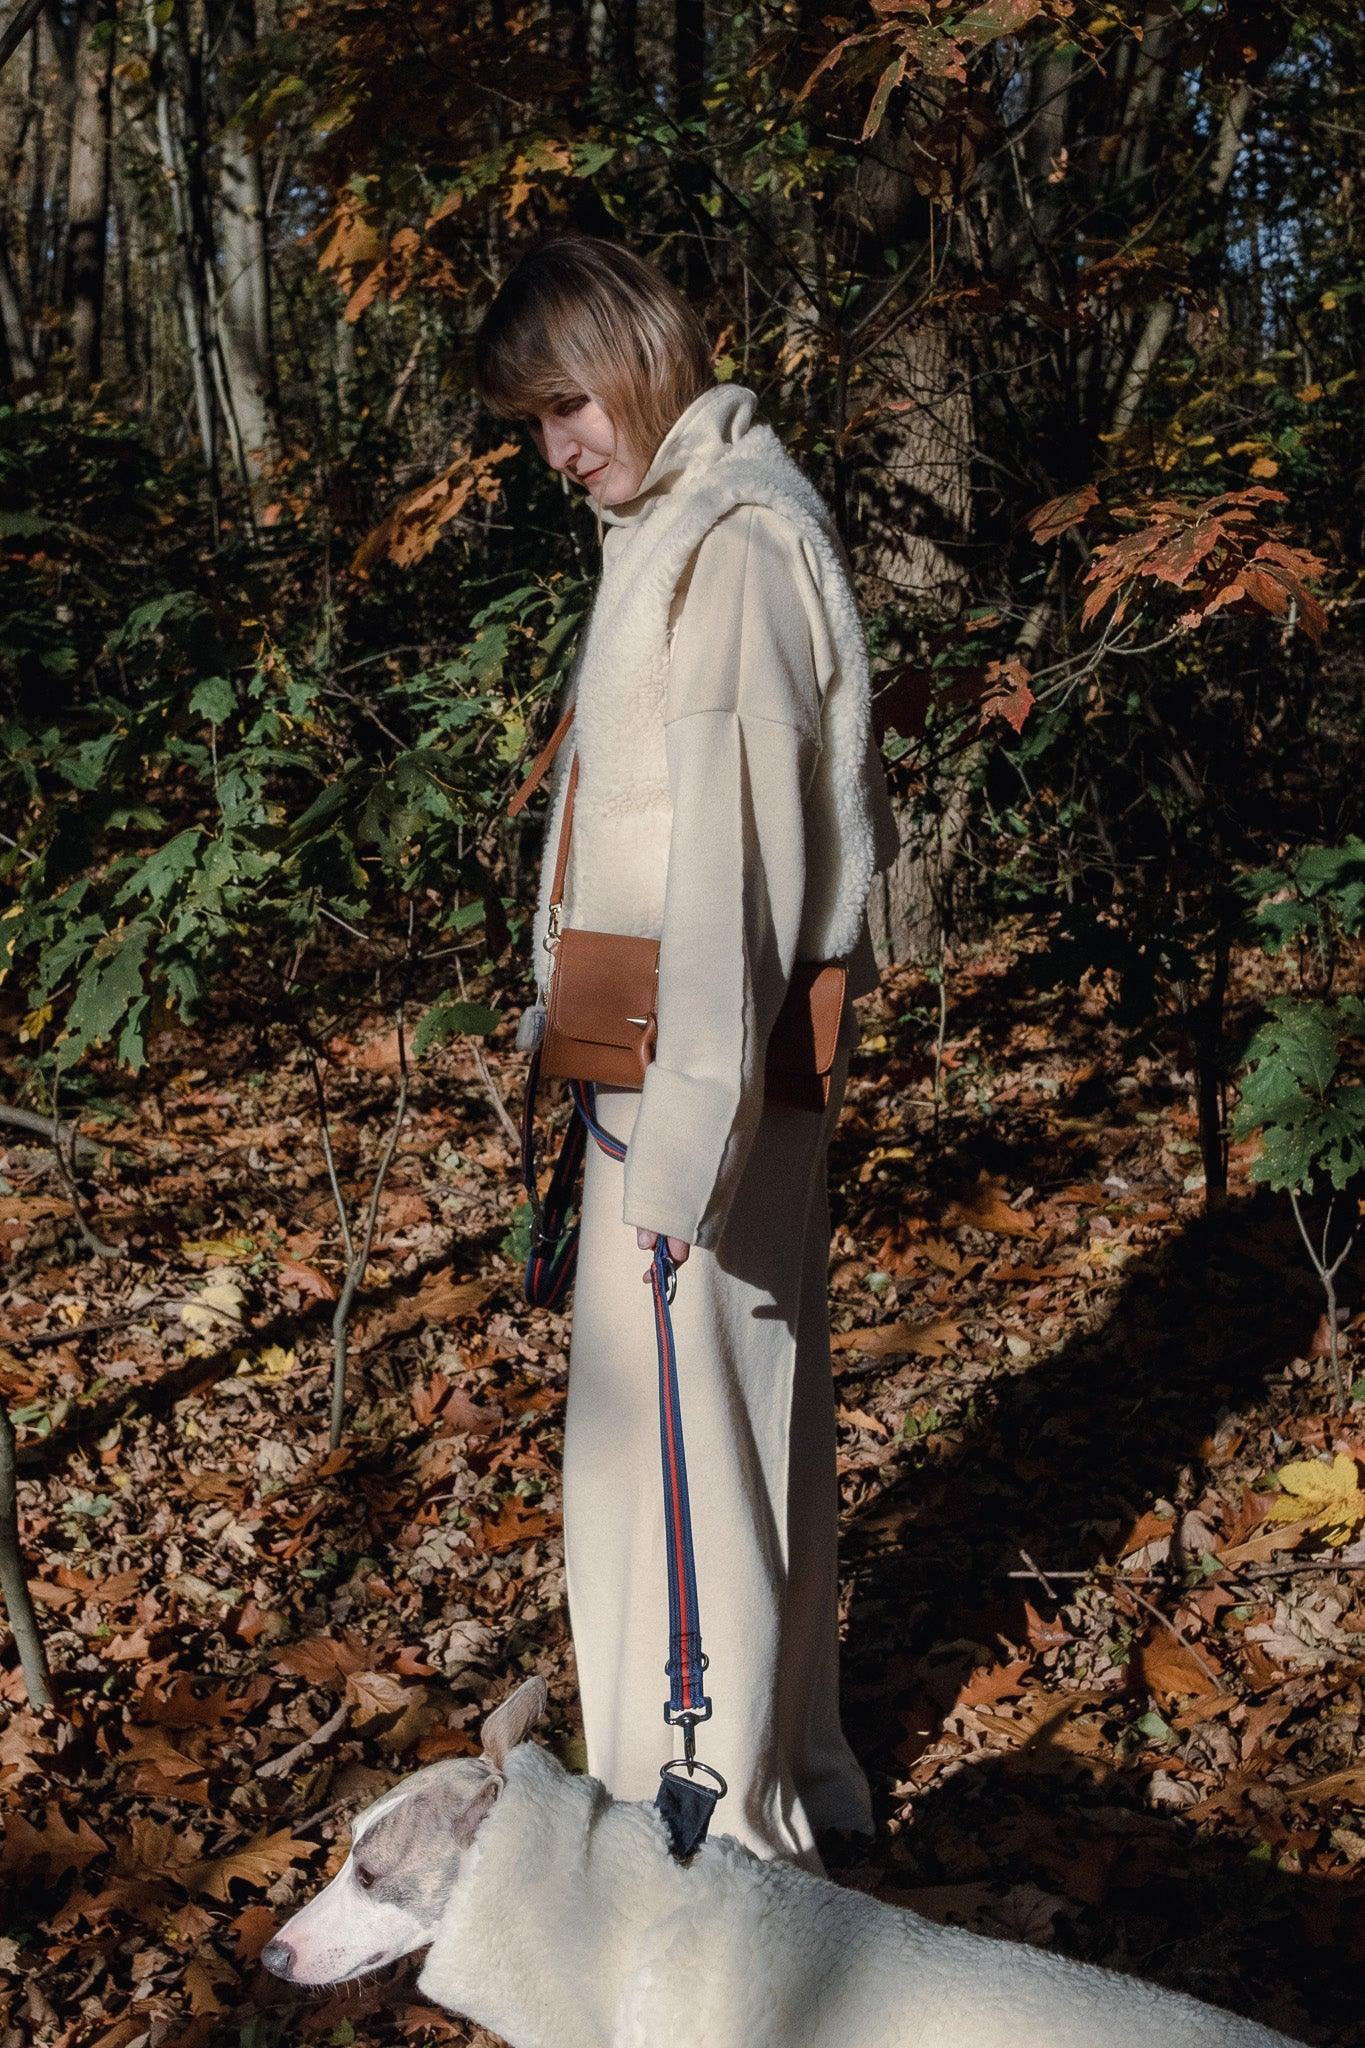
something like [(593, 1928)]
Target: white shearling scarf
[(572, 1926), (618, 863)]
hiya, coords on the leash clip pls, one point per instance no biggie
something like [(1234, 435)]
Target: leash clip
[(664, 1262), (542, 1242)]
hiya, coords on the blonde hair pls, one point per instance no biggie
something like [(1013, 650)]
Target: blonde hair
[(578, 314)]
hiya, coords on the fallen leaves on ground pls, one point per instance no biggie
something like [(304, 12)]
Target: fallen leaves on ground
[(1104, 1640)]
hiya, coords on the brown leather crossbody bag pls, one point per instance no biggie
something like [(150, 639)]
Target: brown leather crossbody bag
[(600, 1014)]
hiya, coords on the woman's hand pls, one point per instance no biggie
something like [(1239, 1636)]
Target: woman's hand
[(678, 1247)]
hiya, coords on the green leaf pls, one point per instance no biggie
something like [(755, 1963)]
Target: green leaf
[(146, 618), (108, 990), (449, 1019), (213, 699), (154, 879)]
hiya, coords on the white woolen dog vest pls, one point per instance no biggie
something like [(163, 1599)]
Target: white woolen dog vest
[(618, 860), (571, 1925)]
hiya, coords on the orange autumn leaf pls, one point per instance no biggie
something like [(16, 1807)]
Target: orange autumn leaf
[(987, 1207), (411, 530), (1049, 520), (1171, 1670), (515, 1523), (990, 1683)]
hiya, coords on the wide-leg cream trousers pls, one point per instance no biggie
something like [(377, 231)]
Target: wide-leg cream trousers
[(751, 1322)]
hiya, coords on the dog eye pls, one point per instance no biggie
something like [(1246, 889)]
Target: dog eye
[(365, 1878)]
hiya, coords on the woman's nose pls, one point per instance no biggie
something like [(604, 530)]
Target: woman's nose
[(561, 449)]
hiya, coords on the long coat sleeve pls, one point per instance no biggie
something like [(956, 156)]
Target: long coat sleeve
[(750, 656)]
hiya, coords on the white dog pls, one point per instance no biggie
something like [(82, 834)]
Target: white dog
[(559, 1918)]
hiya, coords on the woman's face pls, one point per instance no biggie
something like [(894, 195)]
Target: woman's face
[(578, 437)]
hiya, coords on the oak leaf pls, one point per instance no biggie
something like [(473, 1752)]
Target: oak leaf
[(513, 1524), (258, 1862), (889, 1340), (986, 1207), (58, 1846)]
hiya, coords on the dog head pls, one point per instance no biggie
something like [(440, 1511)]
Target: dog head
[(388, 1896)]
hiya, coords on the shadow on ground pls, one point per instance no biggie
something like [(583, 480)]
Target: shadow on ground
[(1058, 1459)]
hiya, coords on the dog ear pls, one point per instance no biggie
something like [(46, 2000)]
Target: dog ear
[(474, 1812), (506, 1726)]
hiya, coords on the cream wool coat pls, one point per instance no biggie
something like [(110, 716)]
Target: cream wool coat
[(572, 1926), (739, 722), (775, 804)]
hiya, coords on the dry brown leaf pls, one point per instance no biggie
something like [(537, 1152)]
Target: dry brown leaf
[(890, 1340), (1171, 1670), (258, 1862), (991, 1682), (1148, 1528), (1041, 1717), (374, 1694), (251, 1929), (1261, 1549), (199, 1988), (1044, 1635), (57, 1597), (1347, 1785), (515, 1523), (307, 1279), (860, 1419), (182, 1706), (322, 1660), (58, 1846), (987, 1207), (440, 1299), (121, 2033), (157, 1848)]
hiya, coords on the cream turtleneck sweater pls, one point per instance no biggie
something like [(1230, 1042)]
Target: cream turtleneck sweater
[(750, 656)]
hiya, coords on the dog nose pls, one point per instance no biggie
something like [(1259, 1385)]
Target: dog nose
[(278, 1958)]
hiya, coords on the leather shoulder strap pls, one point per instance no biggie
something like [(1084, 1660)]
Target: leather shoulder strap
[(565, 828), (541, 763)]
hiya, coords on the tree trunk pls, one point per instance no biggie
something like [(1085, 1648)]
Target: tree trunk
[(88, 186), (910, 511), (242, 308), (189, 280), (47, 174), (17, 26), (1137, 373), (20, 370)]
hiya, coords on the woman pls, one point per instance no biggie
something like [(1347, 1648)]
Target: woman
[(730, 803)]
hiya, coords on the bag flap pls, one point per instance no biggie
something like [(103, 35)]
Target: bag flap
[(601, 980), (805, 1036)]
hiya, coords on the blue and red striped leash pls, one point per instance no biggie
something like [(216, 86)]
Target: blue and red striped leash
[(685, 1801)]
